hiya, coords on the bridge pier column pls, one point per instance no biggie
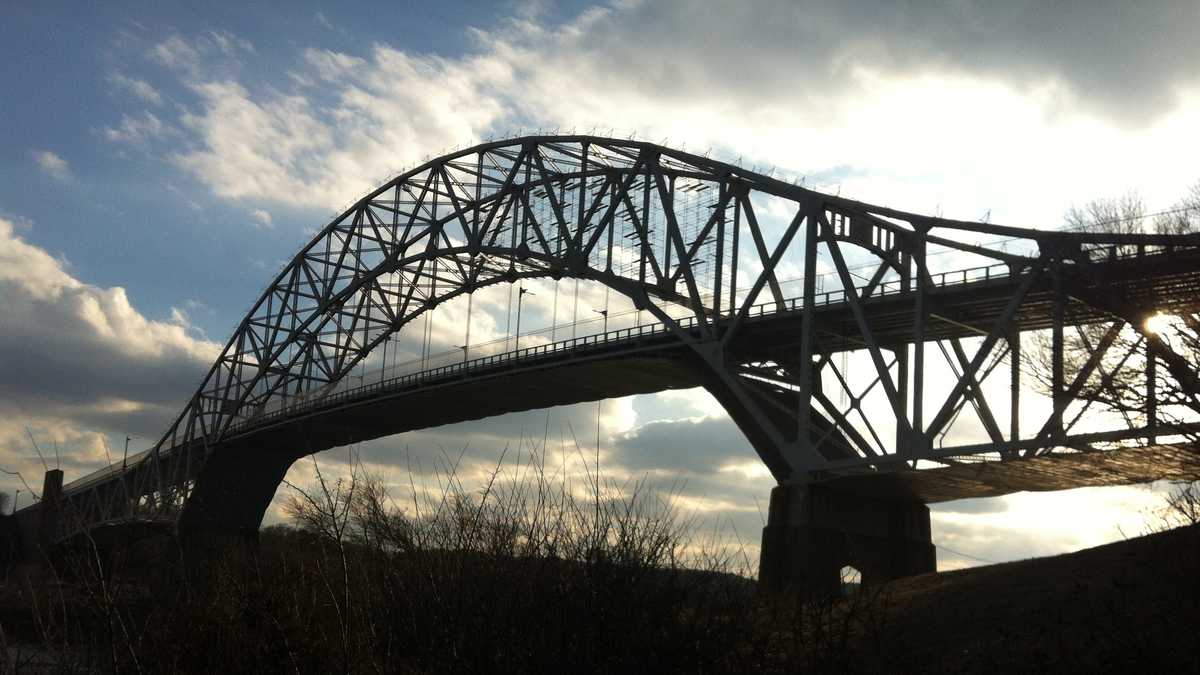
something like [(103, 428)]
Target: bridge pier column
[(29, 534), (231, 496), (812, 532), (50, 508)]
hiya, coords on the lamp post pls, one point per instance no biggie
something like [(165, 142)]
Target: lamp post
[(467, 338), (600, 410), (520, 296), (603, 313), (383, 368)]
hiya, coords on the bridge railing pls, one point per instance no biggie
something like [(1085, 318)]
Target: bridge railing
[(631, 334), (973, 275), (296, 405), (480, 364)]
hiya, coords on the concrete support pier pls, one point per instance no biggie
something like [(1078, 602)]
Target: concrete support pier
[(31, 532), (232, 494), (813, 532), (50, 509)]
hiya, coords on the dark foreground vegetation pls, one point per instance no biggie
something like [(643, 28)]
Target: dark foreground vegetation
[(529, 578)]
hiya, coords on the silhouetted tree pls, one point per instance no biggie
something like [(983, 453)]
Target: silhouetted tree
[(1183, 504), (1124, 379)]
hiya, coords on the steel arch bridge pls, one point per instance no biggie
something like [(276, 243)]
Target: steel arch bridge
[(708, 249)]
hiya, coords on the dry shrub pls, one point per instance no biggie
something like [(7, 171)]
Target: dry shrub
[(526, 574)]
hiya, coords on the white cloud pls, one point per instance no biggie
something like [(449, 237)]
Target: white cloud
[(195, 57), (137, 130), (921, 135), (81, 361), (321, 19), (252, 149), (52, 165), (139, 88), (386, 111), (263, 218), (176, 53), (21, 263), (228, 43), (102, 315)]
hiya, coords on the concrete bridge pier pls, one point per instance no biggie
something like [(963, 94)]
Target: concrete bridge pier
[(50, 508), (813, 532), (231, 495), (29, 534)]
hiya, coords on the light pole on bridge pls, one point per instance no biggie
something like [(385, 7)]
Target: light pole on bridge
[(383, 368), (520, 295), (603, 313), (600, 405)]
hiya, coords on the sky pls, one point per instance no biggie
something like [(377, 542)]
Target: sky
[(159, 162)]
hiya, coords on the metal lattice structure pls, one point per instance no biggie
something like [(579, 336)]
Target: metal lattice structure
[(706, 248)]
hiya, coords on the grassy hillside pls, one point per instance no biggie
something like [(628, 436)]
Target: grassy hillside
[(1129, 606)]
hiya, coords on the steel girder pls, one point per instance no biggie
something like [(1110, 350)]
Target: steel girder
[(670, 229)]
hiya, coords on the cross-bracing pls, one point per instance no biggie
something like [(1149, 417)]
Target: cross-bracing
[(755, 284)]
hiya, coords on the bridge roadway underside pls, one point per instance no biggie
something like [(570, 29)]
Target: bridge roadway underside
[(1046, 473), (241, 475)]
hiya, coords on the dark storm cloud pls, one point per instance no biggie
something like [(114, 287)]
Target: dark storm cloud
[(54, 355), (689, 453), (751, 494), (1125, 59), (697, 446), (69, 350), (560, 429)]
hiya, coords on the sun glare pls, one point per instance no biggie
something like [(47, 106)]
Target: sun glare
[(1158, 323)]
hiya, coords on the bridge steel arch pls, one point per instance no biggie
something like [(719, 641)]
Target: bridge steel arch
[(702, 246), (501, 213)]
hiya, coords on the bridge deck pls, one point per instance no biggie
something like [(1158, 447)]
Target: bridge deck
[(651, 358), (964, 309), (1035, 474)]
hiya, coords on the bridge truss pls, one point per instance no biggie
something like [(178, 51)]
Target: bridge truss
[(945, 312)]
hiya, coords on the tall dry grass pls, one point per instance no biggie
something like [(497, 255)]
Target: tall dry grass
[(528, 573)]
